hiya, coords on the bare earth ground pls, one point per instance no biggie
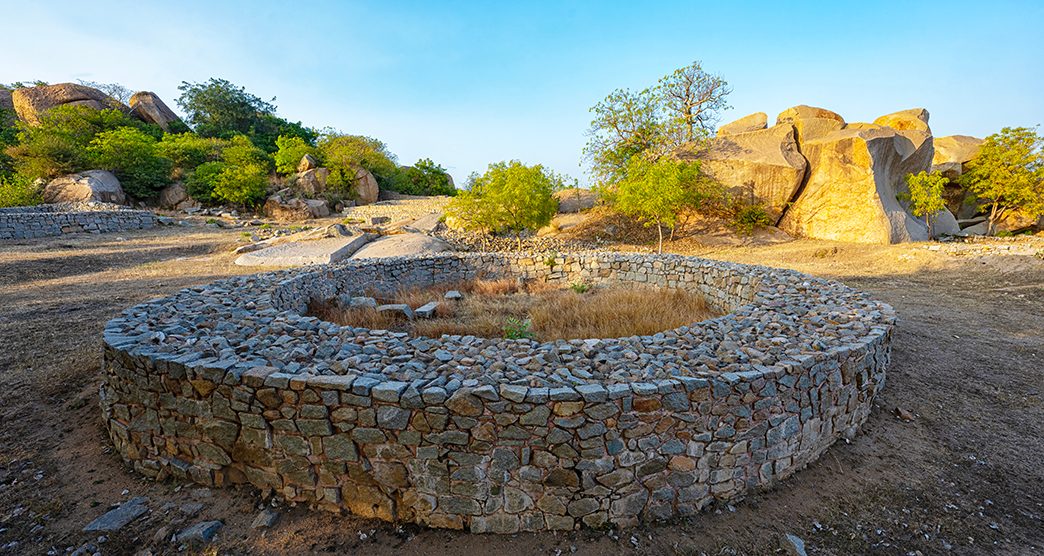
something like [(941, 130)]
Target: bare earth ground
[(965, 476)]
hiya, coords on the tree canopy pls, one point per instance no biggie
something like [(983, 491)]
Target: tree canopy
[(926, 195), (1008, 173), (508, 197), (682, 107)]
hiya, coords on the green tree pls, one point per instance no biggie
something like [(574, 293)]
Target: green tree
[(188, 150), (239, 178), (290, 150), (1008, 174), (58, 145), (425, 177), (18, 191), (655, 192), (926, 195), (133, 157), (509, 197), (653, 122), (218, 108), (343, 155)]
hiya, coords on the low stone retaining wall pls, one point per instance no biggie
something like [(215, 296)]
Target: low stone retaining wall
[(229, 383), (55, 220)]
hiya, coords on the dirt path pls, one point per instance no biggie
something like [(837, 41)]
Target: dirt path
[(966, 476)]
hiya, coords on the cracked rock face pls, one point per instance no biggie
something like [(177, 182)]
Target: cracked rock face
[(229, 383)]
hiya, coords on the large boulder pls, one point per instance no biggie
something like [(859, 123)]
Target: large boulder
[(312, 181), (176, 197), (850, 194), (295, 209), (764, 164), (914, 141), (575, 199), (952, 155), (308, 162), (810, 122), (149, 108), (31, 102), (365, 189), (93, 185), (751, 122), (944, 223)]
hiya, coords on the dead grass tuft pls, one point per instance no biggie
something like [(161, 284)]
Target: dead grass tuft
[(553, 312)]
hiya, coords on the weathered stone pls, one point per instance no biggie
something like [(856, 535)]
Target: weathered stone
[(148, 107), (750, 122), (119, 517), (93, 185), (463, 403)]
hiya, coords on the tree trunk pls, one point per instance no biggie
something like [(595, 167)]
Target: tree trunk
[(672, 232), (518, 239), (928, 222), (659, 229), (992, 222)]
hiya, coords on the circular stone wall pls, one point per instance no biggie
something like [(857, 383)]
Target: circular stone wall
[(229, 383)]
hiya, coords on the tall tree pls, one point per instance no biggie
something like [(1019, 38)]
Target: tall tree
[(926, 195), (1008, 174), (693, 99)]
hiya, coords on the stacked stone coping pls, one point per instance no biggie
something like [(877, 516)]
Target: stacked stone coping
[(66, 218), (229, 383), (400, 209)]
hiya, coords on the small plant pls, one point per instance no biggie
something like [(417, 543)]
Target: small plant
[(750, 217), (266, 226), (518, 329), (580, 287), (550, 259), (212, 221)]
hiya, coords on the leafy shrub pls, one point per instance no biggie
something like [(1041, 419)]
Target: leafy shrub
[(926, 195), (240, 177), (188, 150), (290, 151), (518, 329), (580, 287), (1008, 174), (344, 154), (133, 157), (655, 192), (58, 145), (18, 191), (423, 178), (510, 196)]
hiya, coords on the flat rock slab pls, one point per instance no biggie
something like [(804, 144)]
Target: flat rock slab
[(402, 244), (302, 253), (117, 518)]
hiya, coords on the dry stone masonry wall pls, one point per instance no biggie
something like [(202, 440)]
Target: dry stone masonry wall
[(228, 383), (58, 219)]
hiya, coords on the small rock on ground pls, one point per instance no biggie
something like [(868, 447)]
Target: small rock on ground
[(793, 545), (200, 533), (267, 518), (119, 517)]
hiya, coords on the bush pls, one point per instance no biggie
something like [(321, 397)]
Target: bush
[(290, 151), (188, 150), (344, 154), (1008, 174), (18, 191), (750, 216), (656, 192), (58, 145), (133, 157), (424, 178), (240, 177), (925, 195), (510, 196)]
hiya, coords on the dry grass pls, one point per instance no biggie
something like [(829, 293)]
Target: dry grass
[(553, 313)]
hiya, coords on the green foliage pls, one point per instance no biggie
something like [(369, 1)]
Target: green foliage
[(343, 155), (925, 195), (750, 216), (290, 150), (1008, 173), (18, 191), (510, 196), (58, 145), (188, 150), (681, 108), (518, 329), (580, 287), (240, 177), (218, 108), (423, 178), (656, 192), (134, 158)]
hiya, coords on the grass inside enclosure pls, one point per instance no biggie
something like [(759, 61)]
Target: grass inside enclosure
[(505, 308)]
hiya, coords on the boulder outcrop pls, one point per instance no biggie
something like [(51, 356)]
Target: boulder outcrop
[(952, 155), (308, 162), (93, 185), (295, 209), (850, 194), (149, 108), (312, 181), (366, 189), (751, 122), (176, 197), (30, 102), (810, 122), (765, 164)]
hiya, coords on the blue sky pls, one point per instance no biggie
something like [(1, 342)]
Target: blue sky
[(468, 83)]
